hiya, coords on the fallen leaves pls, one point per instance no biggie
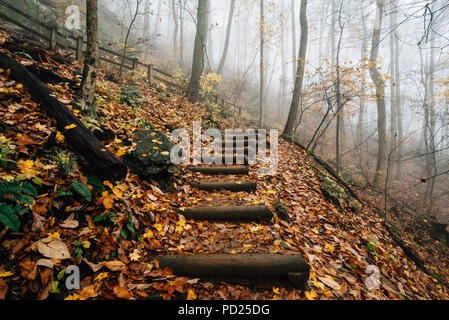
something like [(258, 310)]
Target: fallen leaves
[(53, 248)]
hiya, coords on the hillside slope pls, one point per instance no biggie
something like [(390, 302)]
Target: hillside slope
[(339, 237)]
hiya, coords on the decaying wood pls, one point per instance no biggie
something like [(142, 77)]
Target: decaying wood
[(229, 266), (220, 170), (244, 213), (232, 186), (80, 139)]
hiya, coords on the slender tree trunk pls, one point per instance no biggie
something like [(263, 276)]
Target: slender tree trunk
[(284, 66), (397, 76), (175, 32), (193, 89), (360, 127), (333, 32), (125, 46), (228, 35), (379, 82), (262, 64), (293, 114), (181, 24), (340, 106), (393, 104), (158, 20), (146, 31), (293, 11), (432, 123), (91, 61)]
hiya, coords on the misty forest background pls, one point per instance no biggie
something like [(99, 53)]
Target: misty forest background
[(363, 84)]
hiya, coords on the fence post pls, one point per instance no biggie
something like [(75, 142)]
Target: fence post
[(135, 63), (150, 74), (53, 39), (79, 48)]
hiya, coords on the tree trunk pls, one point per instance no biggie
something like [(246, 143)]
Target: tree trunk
[(340, 111), (158, 20), (125, 47), (91, 61), (293, 11), (379, 82), (146, 31), (228, 35), (393, 99), (193, 89), (181, 36), (360, 127), (431, 125), (293, 114), (175, 32), (284, 67), (80, 139), (398, 102), (262, 64)]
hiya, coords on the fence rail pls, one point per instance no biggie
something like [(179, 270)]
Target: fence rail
[(51, 38)]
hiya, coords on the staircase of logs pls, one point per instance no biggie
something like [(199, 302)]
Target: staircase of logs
[(287, 269)]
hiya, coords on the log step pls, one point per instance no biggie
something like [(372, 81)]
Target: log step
[(220, 170), (243, 213), (232, 186), (291, 268)]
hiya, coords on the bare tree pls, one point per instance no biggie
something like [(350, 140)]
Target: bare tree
[(125, 46), (91, 61), (379, 83), (228, 35), (198, 51), (146, 31), (293, 114), (176, 23), (262, 64)]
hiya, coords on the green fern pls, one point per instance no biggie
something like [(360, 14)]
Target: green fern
[(95, 182), (67, 163), (82, 190), (13, 196)]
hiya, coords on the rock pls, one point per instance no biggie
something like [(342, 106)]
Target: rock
[(282, 211), (440, 232), (151, 159)]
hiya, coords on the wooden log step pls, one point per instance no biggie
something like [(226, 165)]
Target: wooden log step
[(243, 213), (232, 186), (246, 144), (220, 170), (291, 268)]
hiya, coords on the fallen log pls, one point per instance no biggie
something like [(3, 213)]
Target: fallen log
[(220, 170), (79, 138), (290, 268), (231, 186), (244, 213)]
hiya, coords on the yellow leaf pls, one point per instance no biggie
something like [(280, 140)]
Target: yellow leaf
[(311, 295), (148, 234), (72, 126), (86, 244), (6, 274), (191, 295), (108, 184), (54, 235), (102, 276), (74, 296)]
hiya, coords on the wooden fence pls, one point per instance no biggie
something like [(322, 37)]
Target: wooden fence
[(53, 39)]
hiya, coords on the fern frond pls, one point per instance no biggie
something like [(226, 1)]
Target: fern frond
[(82, 190)]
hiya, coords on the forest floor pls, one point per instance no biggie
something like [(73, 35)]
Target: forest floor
[(338, 236)]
